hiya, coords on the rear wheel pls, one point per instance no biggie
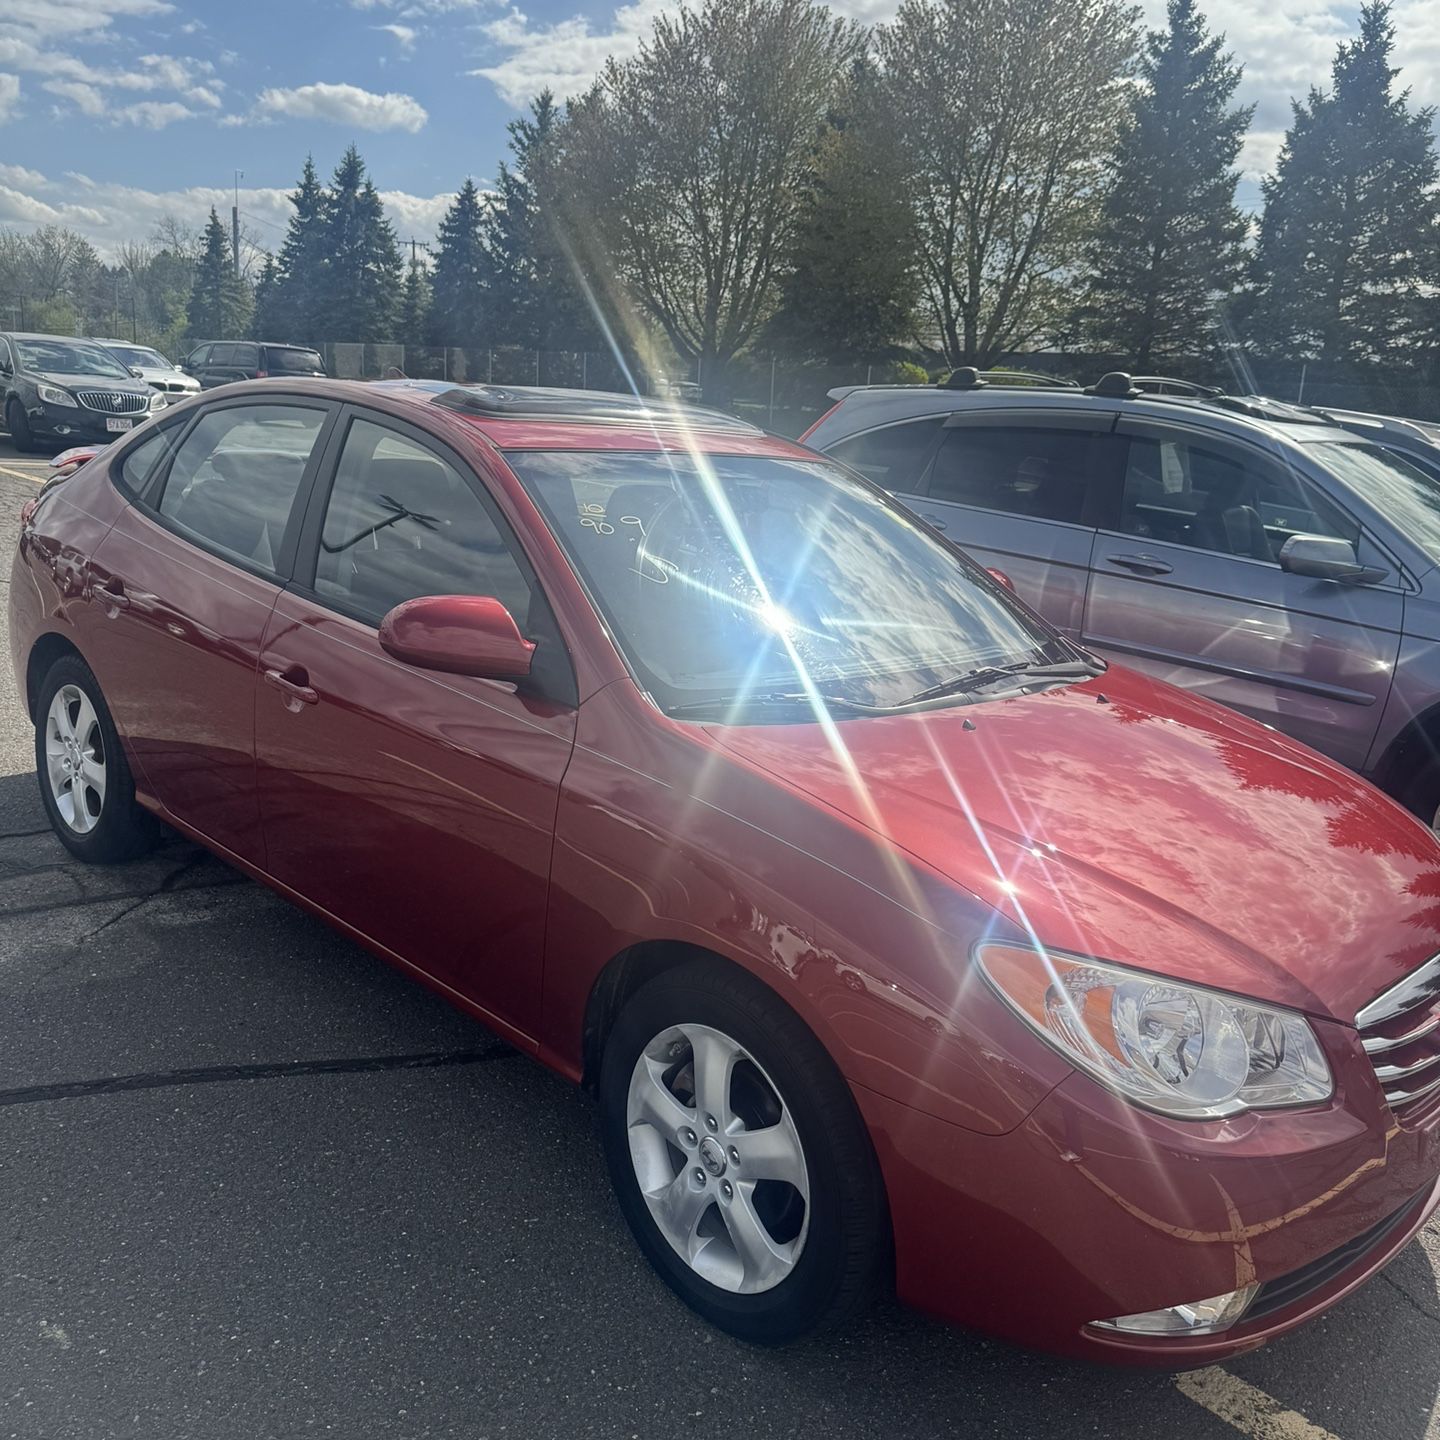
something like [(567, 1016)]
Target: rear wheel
[(18, 425), (738, 1157), (85, 781)]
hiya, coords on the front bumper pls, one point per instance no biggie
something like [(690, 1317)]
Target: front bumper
[(1092, 1209), (75, 424)]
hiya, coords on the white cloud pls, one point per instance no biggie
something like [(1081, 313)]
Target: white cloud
[(9, 95), (564, 57), (346, 105), (109, 214), (404, 34), (85, 98), (152, 114)]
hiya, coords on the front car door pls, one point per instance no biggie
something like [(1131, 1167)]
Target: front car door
[(1186, 586), (418, 807), (182, 587)]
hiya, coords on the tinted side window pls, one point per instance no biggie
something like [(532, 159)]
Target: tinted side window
[(200, 357), (1019, 470), (234, 478), (893, 456), (1221, 500), (139, 467), (222, 354), (247, 357), (402, 522)]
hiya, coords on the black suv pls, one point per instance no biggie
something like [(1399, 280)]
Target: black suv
[(55, 387), (222, 361)]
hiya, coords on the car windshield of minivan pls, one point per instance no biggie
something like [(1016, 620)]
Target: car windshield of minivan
[(744, 582), (292, 362), (57, 357), (1401, 491)]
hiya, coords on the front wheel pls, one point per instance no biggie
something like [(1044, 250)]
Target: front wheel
[(18, 425), (738, 1157), (85, 781)]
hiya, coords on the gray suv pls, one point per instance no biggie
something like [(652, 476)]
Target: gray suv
[(1250, 551)]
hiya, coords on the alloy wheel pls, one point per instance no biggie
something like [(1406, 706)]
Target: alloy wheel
[(718, 1159), (75, 759)]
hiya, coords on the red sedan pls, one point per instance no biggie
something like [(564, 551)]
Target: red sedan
[(898, 938)]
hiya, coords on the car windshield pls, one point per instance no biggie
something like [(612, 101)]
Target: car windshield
[(69, 357), (284, 360), (731, 580), (140, 356), (1400, 490)]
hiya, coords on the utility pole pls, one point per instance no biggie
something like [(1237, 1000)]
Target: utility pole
[(235, 224)]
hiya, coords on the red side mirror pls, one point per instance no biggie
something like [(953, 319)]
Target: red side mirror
[(1001, 576), (460, 634)]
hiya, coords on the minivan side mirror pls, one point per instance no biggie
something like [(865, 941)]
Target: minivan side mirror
[(1326, 557), (459, 634)]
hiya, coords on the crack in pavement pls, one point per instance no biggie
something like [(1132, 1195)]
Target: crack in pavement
[(165, 887), (224, 1074), (1395, 1285)]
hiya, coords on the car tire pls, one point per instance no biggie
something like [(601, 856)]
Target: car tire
[(19, 427), (85, 780), (796, 1242)]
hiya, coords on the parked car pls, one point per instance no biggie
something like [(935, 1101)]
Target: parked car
[(889, 927), (55, 387), (225, 361), (1415, 441), (154, 369), (1245, 549)]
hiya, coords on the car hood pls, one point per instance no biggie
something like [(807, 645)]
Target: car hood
[(155, 372), (127, 386), (1125, 819)]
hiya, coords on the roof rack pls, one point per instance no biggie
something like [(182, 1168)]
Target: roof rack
[(1172, 385), (967, 377), (534, 402)]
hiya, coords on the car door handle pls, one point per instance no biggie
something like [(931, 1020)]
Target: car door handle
[(294, 685), (933, 521), (1141, 564), (113, 597)]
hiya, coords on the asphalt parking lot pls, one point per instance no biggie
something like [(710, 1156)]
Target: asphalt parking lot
[(255, 1184)]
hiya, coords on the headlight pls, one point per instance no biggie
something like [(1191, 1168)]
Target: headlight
[(1187, 1052), (54, 395), (157, 401)]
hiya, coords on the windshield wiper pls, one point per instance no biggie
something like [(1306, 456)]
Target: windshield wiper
[(837, 704), (1025, 673)]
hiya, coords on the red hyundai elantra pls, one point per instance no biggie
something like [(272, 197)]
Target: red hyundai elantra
[(896, 936)]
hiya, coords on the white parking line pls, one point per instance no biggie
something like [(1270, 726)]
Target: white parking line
[(1252, 1412)]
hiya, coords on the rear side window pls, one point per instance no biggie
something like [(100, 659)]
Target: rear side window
[(402, 522), (1040, 474), (234, 478), (290, 360), (893, 456)]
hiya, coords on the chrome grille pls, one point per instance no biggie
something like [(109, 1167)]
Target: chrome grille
[(1400, 1032), (113, 402)]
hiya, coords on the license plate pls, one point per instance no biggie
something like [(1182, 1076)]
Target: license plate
[(114, 423)]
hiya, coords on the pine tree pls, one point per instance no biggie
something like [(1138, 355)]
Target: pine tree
[(303, 262), (414, 306), (460, 280), (269, 321), (1345, 253), (852, 283), (363, 268), (1171, 238), (534, 300), (219, 302)]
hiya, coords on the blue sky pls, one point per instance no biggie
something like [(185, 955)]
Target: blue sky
[(114, 112)]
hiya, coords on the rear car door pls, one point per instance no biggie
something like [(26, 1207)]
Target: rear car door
[(182, 587), (1018, 490), (417, 807), (1186, 586)]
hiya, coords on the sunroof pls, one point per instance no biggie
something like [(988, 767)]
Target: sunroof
[(515, 402)]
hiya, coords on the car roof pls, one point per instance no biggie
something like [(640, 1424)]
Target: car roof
[(867, 407), (545, 418), (40, 335)]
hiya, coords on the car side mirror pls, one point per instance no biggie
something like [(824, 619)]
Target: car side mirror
[(459, 634), (137, 372), (1327, 557)]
